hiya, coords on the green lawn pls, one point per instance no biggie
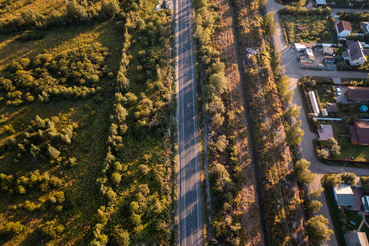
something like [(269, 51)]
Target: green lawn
[(327, 93), (353, 216), (341, 133), (313, 29)]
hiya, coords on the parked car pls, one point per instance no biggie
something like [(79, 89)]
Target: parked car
[(321, 127), (338, 91)]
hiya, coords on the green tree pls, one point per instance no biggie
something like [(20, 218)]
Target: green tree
[(334, 147), (75, 11), (222, 143), (340, 65), (321, 154), (53, 153), (348, 178), (219, 81), (314, 206), (14, 228), (293, 111), (303, 174), (333, 180), (270, 25), (121, 237), (218, 120), (275, 62), (317, 229), (294, 133), (52, 228), (116, 178), (136, 219), (315, 194)]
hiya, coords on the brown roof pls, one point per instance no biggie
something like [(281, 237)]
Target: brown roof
[(344, 25), (331, 107), (353, 134), (362, 128), (357, 93)]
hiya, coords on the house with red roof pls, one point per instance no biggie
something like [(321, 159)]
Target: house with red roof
[(343, 29), (359, 133)]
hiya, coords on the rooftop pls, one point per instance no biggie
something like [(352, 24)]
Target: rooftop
[(344, 25), (356, 239)]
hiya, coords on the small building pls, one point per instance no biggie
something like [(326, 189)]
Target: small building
[(300, 47), (359, 133), (356, 238), (331, 107), (314, 103), (343, 29), (357, 94), (355, 53), (344, 195), (321, 3), (329, 59), (365, 201), (309, 53), (328, 51), (365, 27), (324, 112)]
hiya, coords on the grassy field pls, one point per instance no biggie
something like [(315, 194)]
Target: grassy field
[(88, 144), (341, 134), (308, 29), (353, 216)]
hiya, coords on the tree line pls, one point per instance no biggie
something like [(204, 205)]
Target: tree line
[(75, 14)]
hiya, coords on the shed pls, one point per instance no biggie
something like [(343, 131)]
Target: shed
[(310, 54), (321, 2), (331, 107), (328, 51), (344, 195), (324, 112), (300, 47), (365, 200), (314, 103), (355, 238)]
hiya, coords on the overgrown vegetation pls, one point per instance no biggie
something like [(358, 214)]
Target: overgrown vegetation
[(138, 178), (48, 112), (264, 95), (55, 122), (75, 14), (306, 26), (223, 154)]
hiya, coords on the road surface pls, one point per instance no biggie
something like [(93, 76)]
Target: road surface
[(291, 68), (189, 200)]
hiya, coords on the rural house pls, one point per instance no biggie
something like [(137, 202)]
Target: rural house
[(344, 195), (359, 133), (343, 29), (356, 238), (357, 94), (365, 27), (355, 53)]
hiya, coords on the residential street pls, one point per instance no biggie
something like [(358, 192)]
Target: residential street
[(189, 188), (291, 68)]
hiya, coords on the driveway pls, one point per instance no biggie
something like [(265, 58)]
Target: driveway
[(291, 68), (342, 98)]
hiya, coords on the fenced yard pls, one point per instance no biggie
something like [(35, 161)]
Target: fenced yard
[(342, 135)]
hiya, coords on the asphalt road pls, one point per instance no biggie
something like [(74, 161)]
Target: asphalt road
[(189, 200)]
